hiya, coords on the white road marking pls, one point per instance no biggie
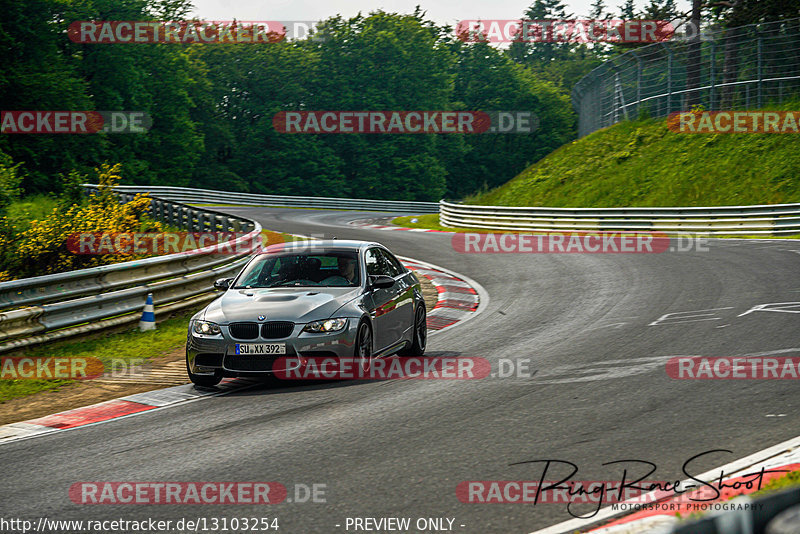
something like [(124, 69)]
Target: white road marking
[(668, 319), (783, 309)]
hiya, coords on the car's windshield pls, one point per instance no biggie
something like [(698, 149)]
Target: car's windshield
[(330, 268)]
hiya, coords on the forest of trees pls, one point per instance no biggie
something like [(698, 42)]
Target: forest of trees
[(212, 104)]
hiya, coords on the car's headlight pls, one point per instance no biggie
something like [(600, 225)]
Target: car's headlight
[(207, 328), (328, 325)]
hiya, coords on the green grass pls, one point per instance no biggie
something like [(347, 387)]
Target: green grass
[(125, 346), (431, 222), (788, 480), (31, 208), (642, 163)]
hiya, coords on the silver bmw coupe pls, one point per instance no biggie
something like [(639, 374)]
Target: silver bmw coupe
[(343, 299)]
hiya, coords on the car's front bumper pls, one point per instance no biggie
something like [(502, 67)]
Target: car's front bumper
[(206, 355)]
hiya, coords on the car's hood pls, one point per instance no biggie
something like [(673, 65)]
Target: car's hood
[(279, 304)]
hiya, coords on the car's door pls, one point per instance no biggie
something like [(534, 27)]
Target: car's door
[(383, 302), (404, 294)]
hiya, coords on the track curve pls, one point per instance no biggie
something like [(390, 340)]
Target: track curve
[(593, 327)]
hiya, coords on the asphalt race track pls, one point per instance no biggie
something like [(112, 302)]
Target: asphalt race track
[(593, 328)]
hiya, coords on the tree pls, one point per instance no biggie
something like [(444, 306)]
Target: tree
[(384, 61), (39, 72), (487, 80), (665, 10), (627, 11), (598, 11), (529, 53)]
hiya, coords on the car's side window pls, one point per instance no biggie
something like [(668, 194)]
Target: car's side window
[(394, 266), (374, 260)]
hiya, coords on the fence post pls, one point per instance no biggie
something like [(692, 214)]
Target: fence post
[(759, 47), (670, 53), (712, 76), (638, 82)]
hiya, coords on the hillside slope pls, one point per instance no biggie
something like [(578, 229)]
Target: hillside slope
[(642, 163)]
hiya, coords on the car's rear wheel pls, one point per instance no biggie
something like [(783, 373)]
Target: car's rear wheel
[(363, 350), (420, 335), (204, 381)]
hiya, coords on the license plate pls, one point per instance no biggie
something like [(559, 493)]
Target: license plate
[(260, 348)]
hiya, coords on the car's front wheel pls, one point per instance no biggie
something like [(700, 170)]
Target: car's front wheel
[(204, 381), (363, 350)]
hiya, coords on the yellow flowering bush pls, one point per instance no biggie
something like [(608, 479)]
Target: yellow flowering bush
[(41, 248)]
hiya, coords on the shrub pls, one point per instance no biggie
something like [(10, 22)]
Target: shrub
[(41, 248)]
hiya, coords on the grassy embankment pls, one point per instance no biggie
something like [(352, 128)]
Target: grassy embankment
[(642, 163)]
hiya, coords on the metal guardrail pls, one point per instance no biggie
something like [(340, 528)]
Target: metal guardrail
[(208, 196), (769, 219), (56, 306)]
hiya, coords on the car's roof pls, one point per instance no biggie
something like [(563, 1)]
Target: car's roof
[(320, 244)]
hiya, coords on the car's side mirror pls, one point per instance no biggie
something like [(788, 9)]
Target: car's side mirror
[(381, 281), (223, 284)]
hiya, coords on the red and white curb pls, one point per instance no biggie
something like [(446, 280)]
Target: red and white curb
[(459, 299), (115, 409), (658, 516)]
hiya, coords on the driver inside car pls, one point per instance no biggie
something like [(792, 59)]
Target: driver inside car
[(346, 274)]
